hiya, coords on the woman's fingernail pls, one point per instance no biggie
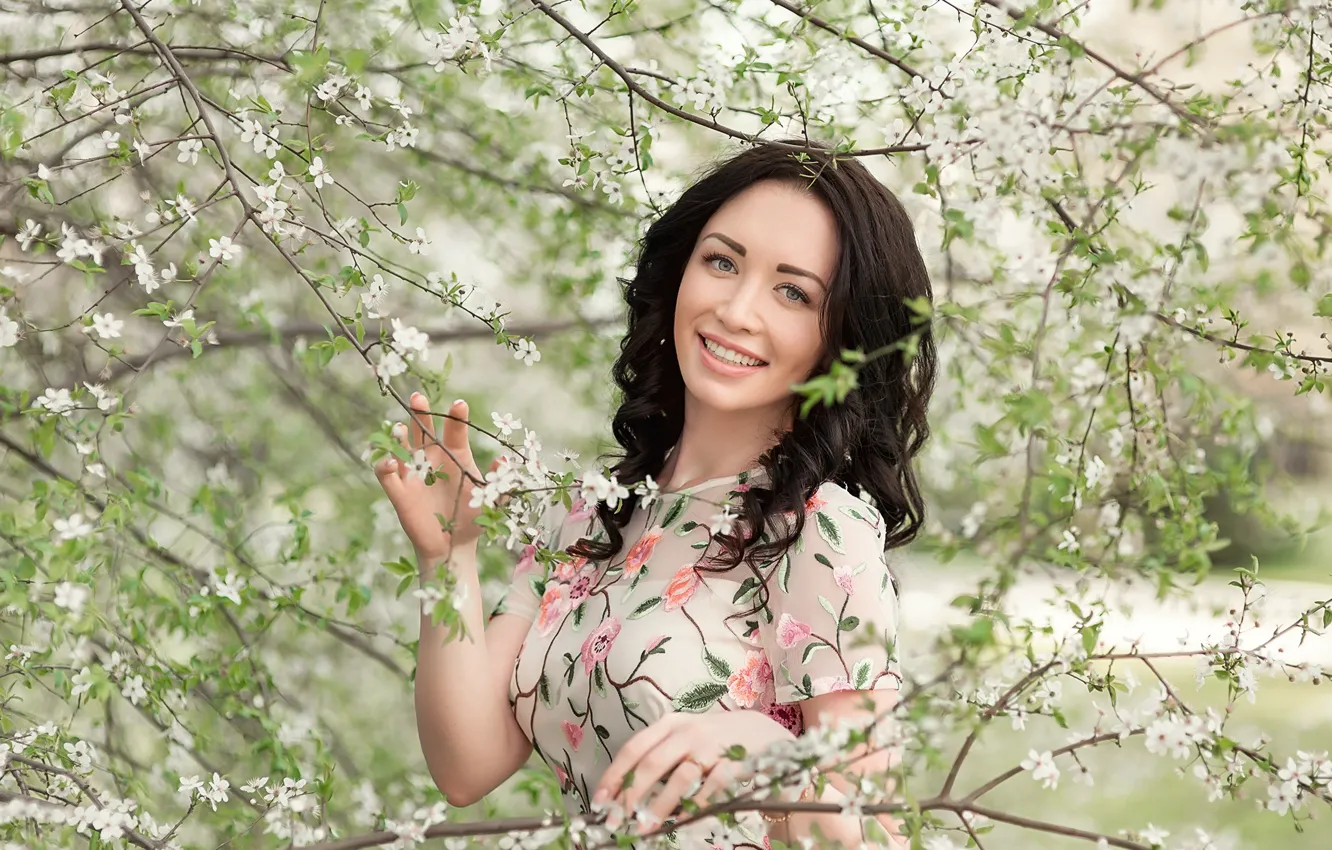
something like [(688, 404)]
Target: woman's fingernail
[(599, 798)]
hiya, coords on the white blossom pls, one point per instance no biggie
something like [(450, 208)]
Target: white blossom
[(1042, 767), (223, 248), (188, 151)]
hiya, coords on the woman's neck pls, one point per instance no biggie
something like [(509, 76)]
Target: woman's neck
[(717, 443)]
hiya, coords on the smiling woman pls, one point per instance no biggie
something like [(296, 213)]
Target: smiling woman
[(754, 601)]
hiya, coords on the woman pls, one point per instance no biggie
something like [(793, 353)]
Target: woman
[(731, 605)]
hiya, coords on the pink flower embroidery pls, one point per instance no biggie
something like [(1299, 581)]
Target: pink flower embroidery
[(830, 684), (641, 551), (581, 510), (598, 644), (752, 684), (566, 570), (791, 632), (561, 775), (680, 589), (526, 561), (554, 605), (814, 503), (580, 588), (842, 575), (654, 643), (573, 734)]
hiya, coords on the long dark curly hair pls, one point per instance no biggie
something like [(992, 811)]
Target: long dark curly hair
[(869, 440)]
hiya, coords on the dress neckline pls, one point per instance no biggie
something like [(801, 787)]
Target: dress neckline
[(753, 472)]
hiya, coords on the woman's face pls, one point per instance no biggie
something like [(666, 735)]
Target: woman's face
[(747, 316)]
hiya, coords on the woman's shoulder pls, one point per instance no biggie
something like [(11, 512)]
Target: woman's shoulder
[(836, 515)]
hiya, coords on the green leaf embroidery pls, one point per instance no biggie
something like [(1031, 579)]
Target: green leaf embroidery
[(644, 607), (699, 697), (849, 623), (674, 513), (860, 674), (746, 589), (810, 649), (823, 559), (685, 528), (717, 667), (829, 531), (855, 514), (599, 680), (827, 606), (578, 616), (784, 574), (543, 688)]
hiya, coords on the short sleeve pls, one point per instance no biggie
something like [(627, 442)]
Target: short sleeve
[(833, 603), (522, 596)]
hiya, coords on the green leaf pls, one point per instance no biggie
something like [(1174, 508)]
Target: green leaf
[(860, 674), (717, 667), (644, 608), (849, 624), (675, 511), (699, 697), (830, 531), (1324, 306), (810, 649)]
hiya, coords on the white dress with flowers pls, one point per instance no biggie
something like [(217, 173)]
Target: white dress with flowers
[(615, 646)]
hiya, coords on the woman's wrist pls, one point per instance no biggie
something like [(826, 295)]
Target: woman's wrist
[(427, 564)]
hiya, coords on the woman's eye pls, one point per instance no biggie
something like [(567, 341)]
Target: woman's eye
[(713, 258), (800, 296)]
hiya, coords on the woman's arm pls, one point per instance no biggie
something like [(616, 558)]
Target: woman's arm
[(471, 740)]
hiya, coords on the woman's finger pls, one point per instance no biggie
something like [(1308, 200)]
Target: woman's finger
[(684, 780), (386, 470), (423, 422)]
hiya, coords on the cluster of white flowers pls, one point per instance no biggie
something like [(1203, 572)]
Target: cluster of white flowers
[(265, 141), (213, 793), (274, 213), (374, 296), (1306, 775), (74, 247), (459, 42), (598, 488), (1180, 736)]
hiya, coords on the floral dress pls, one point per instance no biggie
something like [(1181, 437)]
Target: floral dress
[(615, 646)]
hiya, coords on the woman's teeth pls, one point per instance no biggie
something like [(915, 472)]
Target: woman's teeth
[(730, 356)]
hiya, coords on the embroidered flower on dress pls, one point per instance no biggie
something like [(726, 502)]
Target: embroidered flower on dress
[(842, 575), (791, 632), (581, 509), (554, 605), (830, 684), (641, 551), (752, 685), (815, 503), (568, 570), (680, 589), (526, 561), (572, 733), (598, 644)]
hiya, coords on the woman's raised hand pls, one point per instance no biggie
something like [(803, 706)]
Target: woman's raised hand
[(418, 503)]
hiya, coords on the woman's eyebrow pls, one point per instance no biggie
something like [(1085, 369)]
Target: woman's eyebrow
[(781, 267)]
